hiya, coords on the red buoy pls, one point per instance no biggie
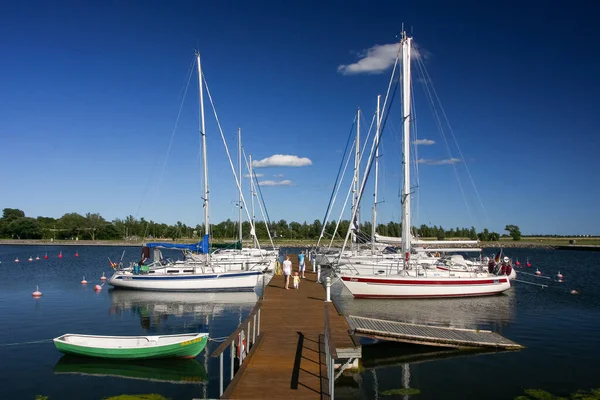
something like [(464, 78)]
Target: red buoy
[(517, 263), (37, 293), (60, 255), (76, 254), (528, 263), (46, 256), (97, 288)]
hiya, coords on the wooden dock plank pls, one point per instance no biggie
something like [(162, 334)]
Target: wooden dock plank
[(286, 316), (428, 334)]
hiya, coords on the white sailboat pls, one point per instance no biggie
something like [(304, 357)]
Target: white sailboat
[(411, 280), (203, 274)]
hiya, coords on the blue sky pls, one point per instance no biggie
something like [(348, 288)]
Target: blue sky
[(90, 94)]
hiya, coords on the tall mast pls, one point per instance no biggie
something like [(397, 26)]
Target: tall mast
[(252, 194), (240, 175), (377, 133), (356, 178), (204, 161), (406, 235)]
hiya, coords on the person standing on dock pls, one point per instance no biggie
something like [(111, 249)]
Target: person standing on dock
[(287, 271), (301, 266)]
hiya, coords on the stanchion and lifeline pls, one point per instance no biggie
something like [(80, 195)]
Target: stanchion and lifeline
[(328, 290)]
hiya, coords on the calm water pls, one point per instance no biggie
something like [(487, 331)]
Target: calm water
[(560, 332), (67, 306)]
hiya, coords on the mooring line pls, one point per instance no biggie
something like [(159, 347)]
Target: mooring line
[(20, 343)]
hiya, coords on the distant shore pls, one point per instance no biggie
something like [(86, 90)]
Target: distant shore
[(537, 243)]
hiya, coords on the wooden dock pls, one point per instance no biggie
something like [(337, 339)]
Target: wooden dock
[(288, 360), (428, 334)]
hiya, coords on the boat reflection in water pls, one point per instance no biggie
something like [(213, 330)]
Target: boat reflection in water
[(383, 363), (491, 312), (167, 370), (154, 308)]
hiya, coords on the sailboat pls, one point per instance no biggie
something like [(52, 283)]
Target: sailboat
[(411, 280), (202, 275), (240, 257)]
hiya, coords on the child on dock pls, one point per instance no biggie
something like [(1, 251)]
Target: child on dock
[(296, 280)]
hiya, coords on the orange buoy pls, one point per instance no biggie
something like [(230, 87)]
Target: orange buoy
[(37, 257), (574, 291), (537, 272), (241, 349), (103, 278), (30, 259), (559, 276), (17, 259), (97, 288), (60, 255), (84, 282), (37, 292)]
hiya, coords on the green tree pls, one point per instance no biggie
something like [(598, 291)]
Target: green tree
[(472, 233), (513, 231), (93, 222), (484, 236), (10, 214), (70, 224), (24, 228)]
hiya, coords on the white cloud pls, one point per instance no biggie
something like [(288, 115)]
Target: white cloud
[(285, 182), (378, 58), (257, 175), (439, 162), (278, 175), (281, 160), (424, 142)]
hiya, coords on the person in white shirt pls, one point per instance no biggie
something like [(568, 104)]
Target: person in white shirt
[(287, 271)]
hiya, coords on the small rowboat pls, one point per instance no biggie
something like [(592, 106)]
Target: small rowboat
[(187, 345)]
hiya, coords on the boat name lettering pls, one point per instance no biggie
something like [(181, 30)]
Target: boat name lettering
[(188, 342)]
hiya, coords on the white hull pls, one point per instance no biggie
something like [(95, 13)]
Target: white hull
[(399, 286), (228, 281)]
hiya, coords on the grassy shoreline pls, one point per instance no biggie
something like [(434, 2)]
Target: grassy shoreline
[(529, 242)]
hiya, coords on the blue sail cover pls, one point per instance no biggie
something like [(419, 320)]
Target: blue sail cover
[(200, 247)]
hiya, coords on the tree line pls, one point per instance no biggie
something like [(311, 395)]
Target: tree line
[(92, 226)]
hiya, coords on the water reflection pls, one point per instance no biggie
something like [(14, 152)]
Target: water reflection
[(386, 369), (154, 308), (166, 370), (490, 312)]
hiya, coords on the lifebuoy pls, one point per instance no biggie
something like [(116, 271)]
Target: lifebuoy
[(241, 349)]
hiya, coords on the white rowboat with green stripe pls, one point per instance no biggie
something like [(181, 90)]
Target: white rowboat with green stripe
[(187, 345)]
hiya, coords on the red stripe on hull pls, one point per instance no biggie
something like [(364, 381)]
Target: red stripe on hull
[(384, 296), (456, 281)]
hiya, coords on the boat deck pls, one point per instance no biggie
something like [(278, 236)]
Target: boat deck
[(289, 360), (428, 335)]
